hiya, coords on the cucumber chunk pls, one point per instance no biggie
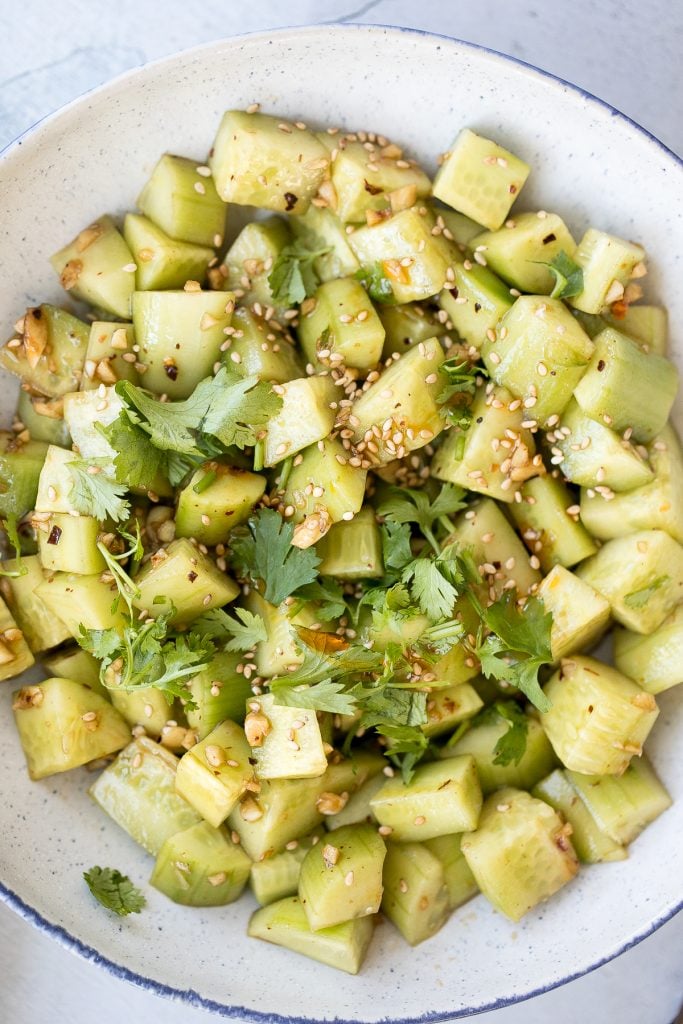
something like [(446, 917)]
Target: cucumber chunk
[(285, 924), (48, 350), (416, 896), (462, 228), (181, 198), (402, 401), (214, 774), (163, 583), (68, 543), (480, 741), (305, 417), (75, 663), (321, 229), (145, 706), (55, 481), (180, 334), (108, 343), (412, 258), (353, 550), (278, 876), (250, 259), (258, 160), (280, 649), (21, 464), (201, 867), (15, 654), (460, 882), (594, 455), (262, 351), (220, 692), (138, 792), (324, 466), (63, 725), (43, 418), (599, 719), (580, 614), (406, 326), (343, 323), (654, 505), (640, 575), (623, 805), (648, 325), (550, 533), (479, 178), (608, 264), (358, 809), (81, 601), (458, 665), (625, 387), (39, 626), (520, 251), (226, 498), (341, 877), (521, 854), (162, 261), (450, 705), (286, 741), (592, 845), (540, 353), (98, 267), (475, 301), (442, 797), (366, 180), (487, 534), (495, 454), (655, 662)]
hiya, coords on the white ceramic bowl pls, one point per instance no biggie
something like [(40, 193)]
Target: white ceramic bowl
[(591, 165)]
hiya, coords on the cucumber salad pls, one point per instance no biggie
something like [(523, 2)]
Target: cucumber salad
[(314, 526)]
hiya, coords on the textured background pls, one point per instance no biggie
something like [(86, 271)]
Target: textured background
[(628, 53)]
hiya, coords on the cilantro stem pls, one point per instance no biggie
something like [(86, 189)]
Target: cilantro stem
[(259, 454), (205, 482), (284, 472)]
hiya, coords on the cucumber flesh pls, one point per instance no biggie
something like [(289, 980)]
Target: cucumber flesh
[(341, 876), (15, 654), (201, 867), (592, 845), (623, 805), (416, 896)]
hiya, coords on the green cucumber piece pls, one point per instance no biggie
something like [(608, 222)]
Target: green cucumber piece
[(358, 809), (343, 323), (520, 251), (109, 356), (163, 583), (214, 773), (353, 550), (138, 792), (63, 725), (627, 388), (460, 881), (599, 719), (278, 876), (43, 419), (39, 626), (220, 692), (450, 705), (256, 162), (320, 229), (462, 228), (363, 181), (201, 867), (180, 334), (654, 662), (540, 354), (75, 663), (48, 350), (162, 261), (648, 325), (223, 495), (640, 575), (324, 466), (416, 896), (479, 178), (520, 854), (98, 267), (251, 257), (593, 455), (81, 601), (68, 543), (181, 198), (280, 650), (261, 349), (15, 654), (144, 706), (55, 482), (285, 924), (475, 301), (341, 876), (592, 845), (623, 805), (442, 797), (305, 417), (20, 467), (287, 743), (406, 326), (580, 614), (607, 263), (485, 532), (550, 533)]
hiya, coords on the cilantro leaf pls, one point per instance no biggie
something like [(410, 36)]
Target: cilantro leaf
[(327, 695), (568, 276), (293, 277), (114, 891), (407, 505), (328, 594), (511, 746), (408, 746), (319, 664), (639, 598), (238, 414), (396, 544), (376, 283), (435, 594), (460, 378), (264, 551), (9, 525), (391, 705), (168, 424), (236, 634), (519, 645), (95, 493), (138, 463)]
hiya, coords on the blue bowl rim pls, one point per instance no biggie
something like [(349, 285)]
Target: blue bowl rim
[(189, 996)]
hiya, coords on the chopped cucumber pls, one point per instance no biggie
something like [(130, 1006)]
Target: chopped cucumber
[(68, 543), (320, 229), (216, 498), (607, 263), (286, 741), (43, 418), (521, 251), (201, 867), (549, 531), (75, 663), (342, 327), (593, 455), (341, 876), (367, 180), (623, 805), (305, 417), (261, 351), (358, 809), (592, 845), (352, 550), (41, 629), (251, 257), (648, 325), (475, 301), (580, 614), (488, 536), (450, 705), (63, 725), (442, 797), (278, 876), (48, 350), (108, 344), (181, 198), (655, 662), (406, 326), (162, 261), (81, 601), (214, 774), (599, 719), (324, 467), (460, 882), (219, 692), (98, 267), (416, 897), (15, 654), (162, 584), (520, 854)]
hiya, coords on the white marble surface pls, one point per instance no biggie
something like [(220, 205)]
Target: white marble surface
[(626, 52)]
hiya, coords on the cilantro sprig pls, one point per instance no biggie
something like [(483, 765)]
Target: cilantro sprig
[(567, 274), (376, 283), (293, 277), (94, 493), (114, 891), (239, 633), (409, 505), (263, 551)]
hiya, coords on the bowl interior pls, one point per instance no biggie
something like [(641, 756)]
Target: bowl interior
[(590, 166)]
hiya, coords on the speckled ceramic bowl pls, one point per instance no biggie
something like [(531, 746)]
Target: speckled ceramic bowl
[(590, 164)]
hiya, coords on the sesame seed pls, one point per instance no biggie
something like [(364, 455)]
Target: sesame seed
[(420, 820), (348, 878), (495, 358), (542, 370)]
